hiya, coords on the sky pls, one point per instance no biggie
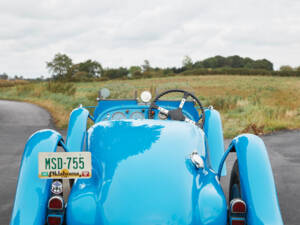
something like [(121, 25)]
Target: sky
[(124, 33)]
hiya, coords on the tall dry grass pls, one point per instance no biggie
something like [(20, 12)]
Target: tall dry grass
[(11, 83)]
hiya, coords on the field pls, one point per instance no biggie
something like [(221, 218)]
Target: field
[(255, 104), (11, 83)]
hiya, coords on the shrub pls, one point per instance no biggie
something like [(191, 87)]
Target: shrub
[(81, 76), (239, 71), (116, 73)]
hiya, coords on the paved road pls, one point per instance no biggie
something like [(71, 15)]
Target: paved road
[(19, 120)]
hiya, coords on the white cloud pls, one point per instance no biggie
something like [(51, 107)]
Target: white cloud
[(124, 33)]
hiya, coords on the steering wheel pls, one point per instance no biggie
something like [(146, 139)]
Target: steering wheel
[(176, 114)]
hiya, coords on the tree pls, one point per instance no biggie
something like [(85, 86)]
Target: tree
[(286, 68), (135, 71), (41, 78), (3, 76), (248, 63), (116, 73), (16, 77), (198, 64), (235, 61), (187, 62), (60, 66), (220, 61), (214, 62), (146, 66), (86, 70), (80, 76), (92, 68), (263, 64)]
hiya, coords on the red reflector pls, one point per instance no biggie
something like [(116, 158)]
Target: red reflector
[(55, 203), (54, 220), (237, 222), (238, 206)]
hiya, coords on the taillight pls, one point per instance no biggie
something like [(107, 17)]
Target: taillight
[(54, 220), (237, 212), (237, 206), (56, 208), (56, 203)]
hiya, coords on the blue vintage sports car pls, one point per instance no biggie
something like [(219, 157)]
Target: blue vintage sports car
[(144, 161)]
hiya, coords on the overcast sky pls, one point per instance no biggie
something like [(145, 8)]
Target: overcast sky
[(124, 33)]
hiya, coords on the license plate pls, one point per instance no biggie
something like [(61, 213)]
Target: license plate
[(65, 165)]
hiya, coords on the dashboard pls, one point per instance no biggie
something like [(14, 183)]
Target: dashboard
[(122, 109), (122, 114), (139, 112), (118, 109)]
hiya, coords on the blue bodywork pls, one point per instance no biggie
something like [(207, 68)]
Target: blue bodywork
[(214, 133), (32, 193), (144, 179), (142, 172), (257, 182), (77, 129)]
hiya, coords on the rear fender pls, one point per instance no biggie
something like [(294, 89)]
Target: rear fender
[(32, 193), (214, 134), (256, 180), (77, 129)]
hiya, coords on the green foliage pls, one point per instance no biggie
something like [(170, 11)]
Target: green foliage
[(187, 62), (240, 71), (262, 64), (81, 76), (3, 76), (135, 72), (115, 73), (233, 62), (146, 66), (88, 69), (286, 68), (60, 66), (63, 69)]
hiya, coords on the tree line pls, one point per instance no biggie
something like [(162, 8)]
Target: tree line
[(62, 68), (235, 61)]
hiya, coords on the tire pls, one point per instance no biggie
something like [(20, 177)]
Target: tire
[(234, 185)]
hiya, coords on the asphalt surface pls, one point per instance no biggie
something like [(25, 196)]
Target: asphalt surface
[(19, 120)]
